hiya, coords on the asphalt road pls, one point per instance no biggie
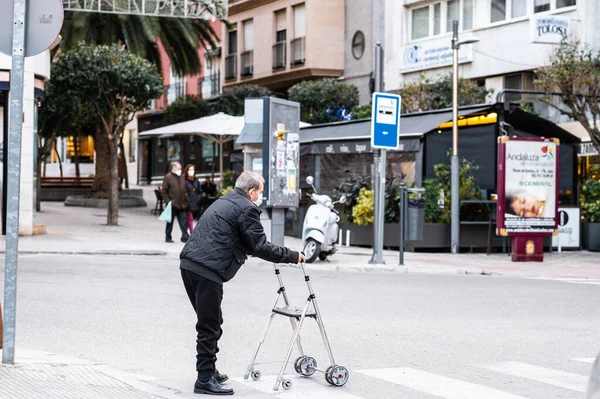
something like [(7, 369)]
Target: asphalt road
[(401, 335)]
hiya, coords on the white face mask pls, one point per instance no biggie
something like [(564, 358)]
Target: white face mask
[(191, 173), (178, 172), (258, 202)]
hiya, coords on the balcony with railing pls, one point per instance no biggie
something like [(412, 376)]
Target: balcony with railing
[(279, 55), (210, 86), (231, 67), (247, 63), (298, 51)]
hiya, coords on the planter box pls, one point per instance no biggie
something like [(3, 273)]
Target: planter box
[(363, 235), (590, 236), (436, 236)]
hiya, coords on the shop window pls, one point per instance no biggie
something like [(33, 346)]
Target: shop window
[(467, 14), (420, 23), (437, 18), (173, 150), (565, 3), (541, 5), (85, 149), (498, 10), (452, 14), (519, 8)]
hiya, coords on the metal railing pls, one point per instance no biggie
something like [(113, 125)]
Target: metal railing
[(247, 63), (210, 86), (279, 55), (231, 67), (298, 54)]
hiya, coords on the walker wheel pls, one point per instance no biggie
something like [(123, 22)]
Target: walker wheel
[(255, 375), (305, 365), (287, 384), (297, 364), (337, 375), (327, 373)]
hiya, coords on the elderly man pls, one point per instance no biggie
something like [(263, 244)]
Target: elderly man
[(174, 190), (228, 231)]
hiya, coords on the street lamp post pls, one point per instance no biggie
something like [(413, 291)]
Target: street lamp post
[(455, 180)]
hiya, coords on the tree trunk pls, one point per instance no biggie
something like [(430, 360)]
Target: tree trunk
[(76, 151), (101, 186), (38, 185), (59, 161), (113, 198)]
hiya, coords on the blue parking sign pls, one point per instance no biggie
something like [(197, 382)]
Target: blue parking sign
[(385, 121)]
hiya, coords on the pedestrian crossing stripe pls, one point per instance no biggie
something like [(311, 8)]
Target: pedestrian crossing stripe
[(589, 360), (426, 382), (302, 387), (558, 378), (571, 280), (438, 385)]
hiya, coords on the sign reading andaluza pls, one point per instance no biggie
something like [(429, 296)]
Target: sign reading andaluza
[(530, 186)]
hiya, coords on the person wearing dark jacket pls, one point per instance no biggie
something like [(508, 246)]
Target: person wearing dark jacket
[(174, 190), (228, 231), (194, 192)]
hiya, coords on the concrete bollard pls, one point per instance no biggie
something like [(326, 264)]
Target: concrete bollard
[(340, 235), (347, 238)]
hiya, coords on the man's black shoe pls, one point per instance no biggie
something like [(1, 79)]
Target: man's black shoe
[(211, 388), (220, 378), (183, 239)]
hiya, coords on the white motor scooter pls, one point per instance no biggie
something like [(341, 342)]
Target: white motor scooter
[(320, 229)]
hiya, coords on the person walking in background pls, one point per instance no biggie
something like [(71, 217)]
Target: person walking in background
[(194, 192), (209, 188), (174, 190)]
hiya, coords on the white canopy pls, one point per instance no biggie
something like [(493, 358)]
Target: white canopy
[(219, 128)]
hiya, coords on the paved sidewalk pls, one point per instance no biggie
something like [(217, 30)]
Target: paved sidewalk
[(43, 375), (84, 231)]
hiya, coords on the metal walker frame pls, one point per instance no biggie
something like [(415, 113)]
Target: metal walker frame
[(304, 365)]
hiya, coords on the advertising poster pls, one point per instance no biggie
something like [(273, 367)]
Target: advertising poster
[(527, 186)]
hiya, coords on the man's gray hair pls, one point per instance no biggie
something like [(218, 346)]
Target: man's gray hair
[(174, 164), (248, 181)]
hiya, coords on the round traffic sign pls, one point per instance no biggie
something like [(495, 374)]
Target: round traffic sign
[(44, 22)]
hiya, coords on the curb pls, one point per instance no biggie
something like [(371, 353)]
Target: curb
[(100, 252)]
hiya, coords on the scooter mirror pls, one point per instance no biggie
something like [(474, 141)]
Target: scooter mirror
[(310, 180), (342, 200)]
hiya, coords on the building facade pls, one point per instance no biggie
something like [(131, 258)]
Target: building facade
[(37, 71), (277, 43), (515, 38)]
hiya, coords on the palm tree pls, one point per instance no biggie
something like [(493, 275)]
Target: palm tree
[(141, 34)]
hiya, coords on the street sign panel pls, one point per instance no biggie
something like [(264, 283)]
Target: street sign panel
[(385, 121), (44, 22)]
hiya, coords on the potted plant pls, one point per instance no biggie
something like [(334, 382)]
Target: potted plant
[(590, 214)]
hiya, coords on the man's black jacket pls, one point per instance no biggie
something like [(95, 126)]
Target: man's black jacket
[(229, 231)]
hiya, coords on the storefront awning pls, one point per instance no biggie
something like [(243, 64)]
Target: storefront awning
[(355, 136), (411, 125)]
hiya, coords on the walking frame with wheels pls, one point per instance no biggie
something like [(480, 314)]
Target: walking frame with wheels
[(304, 365)]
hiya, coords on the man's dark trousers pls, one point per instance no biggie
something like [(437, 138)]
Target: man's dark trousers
[(182, 220), (205, 296)]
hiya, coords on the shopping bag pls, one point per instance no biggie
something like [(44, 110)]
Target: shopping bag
[(167, 215)]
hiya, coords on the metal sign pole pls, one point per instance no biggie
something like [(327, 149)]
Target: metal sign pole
[(17, 76), (402, 225), (379, 182)]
